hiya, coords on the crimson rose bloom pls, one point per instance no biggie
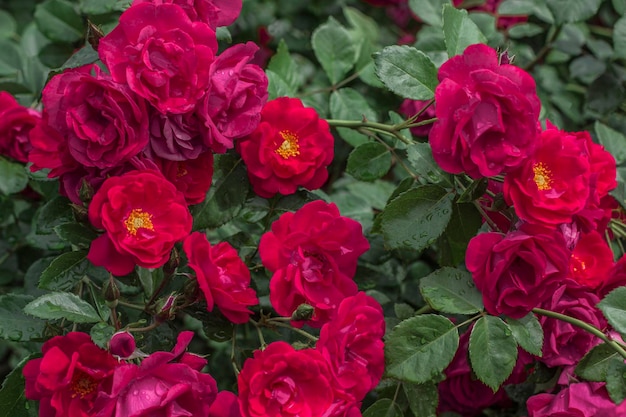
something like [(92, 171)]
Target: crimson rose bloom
[(161, 54), (487, 114), (584, 399), (352, 344), (554, 184), (68, 377), (222, 276), (175, 137), (517, 271), (192, 177), (281, 381), (166, 384), (238, 90), (591, 260), (226, 404), (564, 343), (313, 254), (143, 216), (212, 12), (291, 147), (50, 150), (410, 108), (16, 121)]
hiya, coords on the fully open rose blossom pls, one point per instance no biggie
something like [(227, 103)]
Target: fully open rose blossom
[(487, 114), (212, 12), (352, 344), (552, 185), (583, 399), (517, 271), (222, 276), (313, 254), (282, 382), (232, 106), (16, 121), (191, 177), (161, 54), (67, 379), (292, 147), (166, 384), (143, 216)]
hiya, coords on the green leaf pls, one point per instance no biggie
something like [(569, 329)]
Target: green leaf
[(85, 55), (526, 7), (223, 35), (420, 156), (616, 379), (459, 30), (349, 104), (492, 351), (423, 398), (594, 365), (226, 197), (383, 408), (334, 49), (525, 30), (528, 333), (365, 26), (95, 7), (147, 280), (62, 305), (13, 402), (619, 6), (11, 58), (428, 10), (14, 324), (573, 10), (8, 25), (277, 87), (614, 308), (420, 348), (466, 220), (58, 20), (605, 94), (101, 334), (416, 218), (407, 72), (55, 55), (13, 177), (475, 190), (369, 161), (64, 272), (283, 65), (214, 324), (452, 291), (612, 140), (76, 234)]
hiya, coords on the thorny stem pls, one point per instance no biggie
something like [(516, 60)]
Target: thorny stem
[(585, 326), (333, 87), (233, 359), (294, 329), (153, 326), (260, 333), (393, 130)]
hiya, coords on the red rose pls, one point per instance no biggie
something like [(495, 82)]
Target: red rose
[(192, 177), (554, 184), (16, 122), (212, 12), (67, 379), (352, 344), (291, 147), (122, 345), (225, 405), (175, 137), (564, 343), (161, 54), (615, 278), (49, 150), (281, 381), (517, 271), (584, 399), (222, 276), (591, 260), (166, 384), (232, 106), (143, 216), (313, 254), (487, 114), (410, 108)]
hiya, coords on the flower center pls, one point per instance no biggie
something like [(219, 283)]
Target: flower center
[(181, 170), (578, 265), (138, 219), (82, 384), (290, 146), (542, 176)]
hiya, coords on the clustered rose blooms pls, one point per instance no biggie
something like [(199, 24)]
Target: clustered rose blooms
[(291, 147), (313, 255), (329, 380)]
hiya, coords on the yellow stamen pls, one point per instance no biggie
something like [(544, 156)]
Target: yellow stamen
[(82, 384), (578, 265), (542, 176), (138, 219), (182, 170), (290, 146)]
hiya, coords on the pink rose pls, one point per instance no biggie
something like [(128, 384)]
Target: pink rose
[(584, 399), (313, 254), (231, 109), (212, 12), (16, 122), (517, 271), (222, 276), (487, 114), (161, 54)]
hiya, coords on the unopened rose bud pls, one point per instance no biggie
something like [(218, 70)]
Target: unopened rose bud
[(167, 310), (111, 292), (86, 192), (505, 59), (122, 344), (303, 312), (170, 266)]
